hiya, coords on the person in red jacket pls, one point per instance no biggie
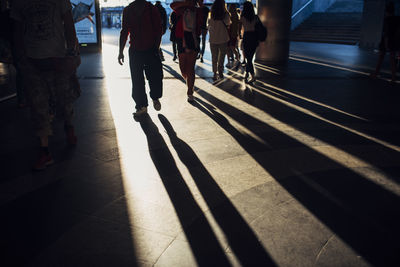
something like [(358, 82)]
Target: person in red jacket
[(141, 21), (187, 32)]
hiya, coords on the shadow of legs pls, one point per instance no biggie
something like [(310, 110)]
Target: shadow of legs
[(241, 238), (202, 240)]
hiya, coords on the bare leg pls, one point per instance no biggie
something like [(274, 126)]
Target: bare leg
[(236, 52), (182, 65), (378, 64), (190, 63)]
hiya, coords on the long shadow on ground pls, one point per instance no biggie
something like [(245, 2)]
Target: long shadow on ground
[(243, 242), (363, 214)]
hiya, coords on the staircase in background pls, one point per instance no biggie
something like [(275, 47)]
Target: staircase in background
[(340, 24)]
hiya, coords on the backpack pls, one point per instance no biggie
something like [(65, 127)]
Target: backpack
[(261, 30), (189, 20), (185, 22)]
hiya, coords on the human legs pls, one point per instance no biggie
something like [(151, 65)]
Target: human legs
[(203, 43), (236, 50), (250, 44), (66, 90), (174, 49), (136, 64), (378, 64), (249, 60), (182, 65), (249, 63), (229, 53), (222, 49), (191, 61), (38, 94), (243, 53), (161, 54), (214, 58), (154, 75), (187, 62)]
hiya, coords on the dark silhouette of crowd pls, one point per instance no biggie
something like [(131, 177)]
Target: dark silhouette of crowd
[(45, 52)]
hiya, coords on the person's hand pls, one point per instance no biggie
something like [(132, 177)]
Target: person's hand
[(121, 59)]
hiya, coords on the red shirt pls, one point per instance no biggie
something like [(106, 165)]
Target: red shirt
[(144, 28)]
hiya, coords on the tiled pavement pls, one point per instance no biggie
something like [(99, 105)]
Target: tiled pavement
[(300, 169)]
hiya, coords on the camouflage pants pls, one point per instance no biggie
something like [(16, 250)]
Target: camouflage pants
[(48, 91)]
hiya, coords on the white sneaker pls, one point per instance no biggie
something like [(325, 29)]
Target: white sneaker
[(140, 111), (157, 104)]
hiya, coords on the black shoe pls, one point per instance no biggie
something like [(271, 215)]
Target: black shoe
[(201, 59), (174, 58)]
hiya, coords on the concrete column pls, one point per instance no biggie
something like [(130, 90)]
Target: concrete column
[(276, 16), (372, 23)]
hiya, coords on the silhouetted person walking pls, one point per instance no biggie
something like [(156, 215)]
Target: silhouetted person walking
[(233, 51), (163, 16), (218, 26), (389, 42), (204, 12), (187, 34), (46, 52), (250, 42), (172, 26), (141, 21)]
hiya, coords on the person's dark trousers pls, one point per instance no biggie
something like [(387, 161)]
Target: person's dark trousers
[(161, 54), (203, 41), (147, 62), (250, 44), (175, 48)]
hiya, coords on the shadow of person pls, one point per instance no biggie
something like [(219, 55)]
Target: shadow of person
[(363, 214), (174, 73), (201, 238), (241, 239), (339, 128)]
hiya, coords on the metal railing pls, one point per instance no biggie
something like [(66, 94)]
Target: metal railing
[(301, 9)]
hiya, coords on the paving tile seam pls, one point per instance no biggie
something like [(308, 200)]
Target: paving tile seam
[(116, 222), (281, 203), (323, 247), (162, 253)]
